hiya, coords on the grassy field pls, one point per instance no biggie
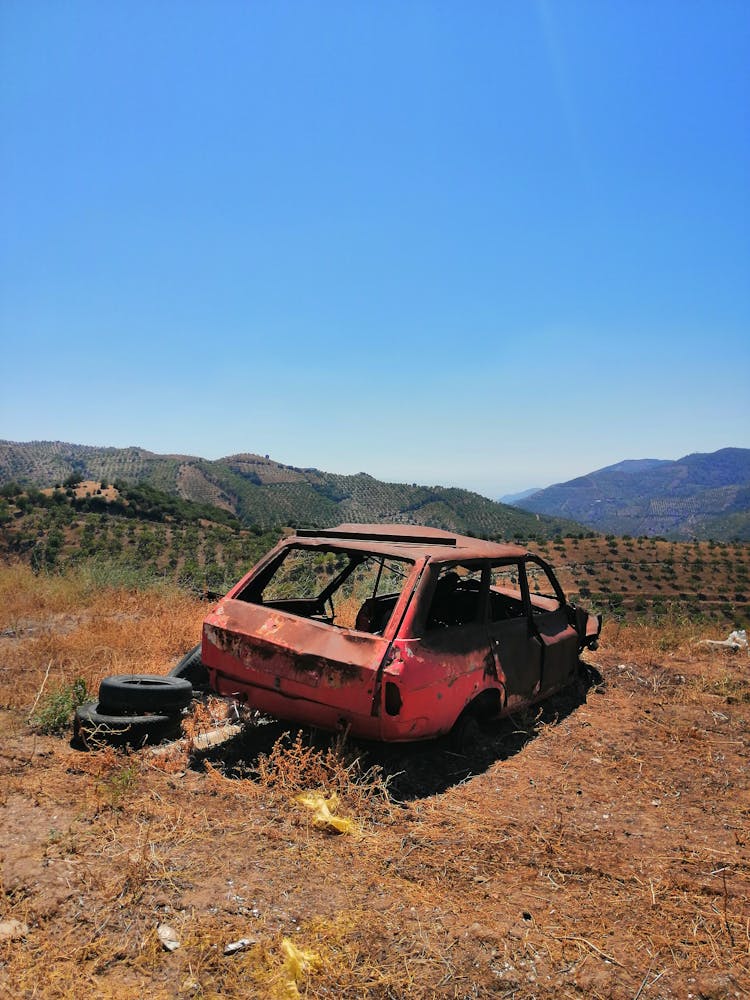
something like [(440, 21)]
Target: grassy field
[(596, 848)]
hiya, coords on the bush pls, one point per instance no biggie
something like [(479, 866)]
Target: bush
[(55, 710)]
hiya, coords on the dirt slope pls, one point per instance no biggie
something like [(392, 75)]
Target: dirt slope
[(599, 850)]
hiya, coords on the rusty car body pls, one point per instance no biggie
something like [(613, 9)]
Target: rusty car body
[(395, 632)]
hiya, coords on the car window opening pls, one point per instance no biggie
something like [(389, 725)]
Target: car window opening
[(506, 597), (544, 596), (345, 589), (457, 597)]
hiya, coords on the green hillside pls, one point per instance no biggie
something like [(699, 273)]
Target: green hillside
[(129, 534), (267, 495), (136, 535)]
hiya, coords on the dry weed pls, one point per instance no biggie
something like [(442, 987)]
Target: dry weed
[(56, 629), (293, 765)]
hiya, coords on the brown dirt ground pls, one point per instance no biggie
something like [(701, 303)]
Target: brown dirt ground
[(88, 487), (600, 848)]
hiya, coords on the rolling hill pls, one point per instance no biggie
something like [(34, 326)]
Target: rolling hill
[(698, 496), (267, 494), (136, 535)]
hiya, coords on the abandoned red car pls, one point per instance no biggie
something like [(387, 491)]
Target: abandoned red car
[(393, 631)]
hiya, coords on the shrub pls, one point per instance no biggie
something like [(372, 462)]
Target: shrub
[(55, 710)]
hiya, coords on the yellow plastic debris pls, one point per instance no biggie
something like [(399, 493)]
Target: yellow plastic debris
[(323, 808), (297, 963)]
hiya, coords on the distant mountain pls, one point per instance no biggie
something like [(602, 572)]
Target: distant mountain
[(698, 496), (636, 465), (513, 498), (268, 494)]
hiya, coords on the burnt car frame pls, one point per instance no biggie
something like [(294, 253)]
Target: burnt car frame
[(394, 632)]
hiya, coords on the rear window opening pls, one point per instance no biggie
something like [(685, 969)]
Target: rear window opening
[(345, 589)]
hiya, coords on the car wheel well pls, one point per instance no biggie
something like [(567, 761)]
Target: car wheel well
[(487, 703)]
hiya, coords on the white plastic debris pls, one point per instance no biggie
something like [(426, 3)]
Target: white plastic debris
[(168, 937), (240, 945), (735, 641)]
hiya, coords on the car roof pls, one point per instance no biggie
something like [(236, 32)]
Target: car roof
[(408, 541)]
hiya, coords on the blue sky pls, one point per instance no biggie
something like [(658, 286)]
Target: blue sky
[(493, 245)]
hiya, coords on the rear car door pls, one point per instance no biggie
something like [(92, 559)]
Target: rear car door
[(516, 648), (550, 625)]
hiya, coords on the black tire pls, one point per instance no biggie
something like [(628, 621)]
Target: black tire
[(191, 668), (465, 735), (133, 693), (91, 726)]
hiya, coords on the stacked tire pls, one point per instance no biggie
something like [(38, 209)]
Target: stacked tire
[(191, 668), (134, 709)]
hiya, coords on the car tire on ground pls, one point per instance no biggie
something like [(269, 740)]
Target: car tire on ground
[(131, 693), (465, 735), (191, 668), (92, 726)]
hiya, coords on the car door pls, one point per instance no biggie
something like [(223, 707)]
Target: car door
[(550, 625), (516, 648)]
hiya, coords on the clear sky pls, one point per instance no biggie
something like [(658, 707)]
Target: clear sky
[(492, 245)]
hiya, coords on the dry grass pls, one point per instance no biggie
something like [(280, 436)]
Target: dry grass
[(65, 627), (675, 634), (607, 858), (294, 766)]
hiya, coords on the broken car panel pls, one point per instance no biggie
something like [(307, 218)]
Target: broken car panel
[(393, 631)]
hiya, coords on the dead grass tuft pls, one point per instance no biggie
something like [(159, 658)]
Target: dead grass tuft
[(294, 765), (673, 634), (204, 716)]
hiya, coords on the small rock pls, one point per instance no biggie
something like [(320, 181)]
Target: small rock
[(12, 929), (240, 945), (168, 937)]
